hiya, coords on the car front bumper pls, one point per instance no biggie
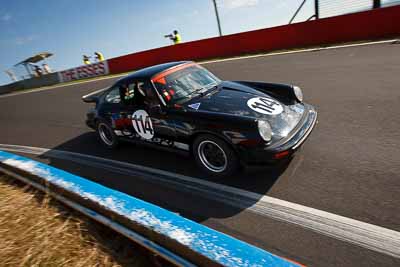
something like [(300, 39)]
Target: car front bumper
[(286, 147)]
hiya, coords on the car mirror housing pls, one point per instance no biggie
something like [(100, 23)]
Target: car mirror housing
[(90, 99)]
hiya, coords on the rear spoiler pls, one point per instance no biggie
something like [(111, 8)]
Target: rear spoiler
[(93, 97)]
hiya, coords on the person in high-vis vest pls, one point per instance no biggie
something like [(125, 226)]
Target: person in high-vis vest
[(99, 56), (86, 60), (176, 37)]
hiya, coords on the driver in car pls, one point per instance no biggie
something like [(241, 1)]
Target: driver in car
[(126, 93)]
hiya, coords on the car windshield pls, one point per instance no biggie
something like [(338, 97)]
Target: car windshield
[(183, 83)]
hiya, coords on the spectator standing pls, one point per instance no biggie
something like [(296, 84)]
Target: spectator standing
[(86, 60), (38, 71), (99, 56), (175, 37), (46, 68)]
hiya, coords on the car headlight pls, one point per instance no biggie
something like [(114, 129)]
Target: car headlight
[(298, 93), (265, 130)]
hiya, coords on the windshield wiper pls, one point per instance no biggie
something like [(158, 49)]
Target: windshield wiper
[(211, 89), (207, 90), (197, 91)]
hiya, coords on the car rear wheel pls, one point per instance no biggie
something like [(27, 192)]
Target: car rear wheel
[(106, 135), (214, 156)]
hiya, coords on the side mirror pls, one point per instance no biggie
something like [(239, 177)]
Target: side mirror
[(90, 99)]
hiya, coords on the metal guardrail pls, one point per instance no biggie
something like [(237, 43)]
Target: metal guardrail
[(177, 239)]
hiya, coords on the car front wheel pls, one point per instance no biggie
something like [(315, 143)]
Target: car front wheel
[(214, 156), (106, 135)]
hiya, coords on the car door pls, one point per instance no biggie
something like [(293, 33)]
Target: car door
[(147, 120)]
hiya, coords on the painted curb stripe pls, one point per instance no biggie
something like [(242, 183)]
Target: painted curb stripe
[(220, 248)]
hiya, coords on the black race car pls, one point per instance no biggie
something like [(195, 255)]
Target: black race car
[(223, 124)]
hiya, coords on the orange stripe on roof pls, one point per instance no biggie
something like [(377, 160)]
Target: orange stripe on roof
[(161, 80), (164, 73)]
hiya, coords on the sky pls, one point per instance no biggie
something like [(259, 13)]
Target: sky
[(71, 28)]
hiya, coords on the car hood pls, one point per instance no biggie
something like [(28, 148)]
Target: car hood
[(237, 99)]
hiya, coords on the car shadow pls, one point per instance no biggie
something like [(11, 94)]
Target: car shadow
[(196, 207)]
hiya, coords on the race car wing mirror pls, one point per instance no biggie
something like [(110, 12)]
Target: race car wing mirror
[(90, 99)]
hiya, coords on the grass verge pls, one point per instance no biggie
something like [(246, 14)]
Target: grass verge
[(36, 230)]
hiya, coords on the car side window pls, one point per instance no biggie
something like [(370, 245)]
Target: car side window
[(113, 96), (138, 93), (151, 98), (127, 92)]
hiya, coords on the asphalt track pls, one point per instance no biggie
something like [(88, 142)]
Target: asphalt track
[(349, 166)]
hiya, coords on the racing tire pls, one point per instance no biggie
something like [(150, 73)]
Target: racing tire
[(214, 156), (106, 135)]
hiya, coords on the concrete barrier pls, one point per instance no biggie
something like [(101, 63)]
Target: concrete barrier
[(179, 240), (373, 24), (5, 89), (35, 82), (45, 80)]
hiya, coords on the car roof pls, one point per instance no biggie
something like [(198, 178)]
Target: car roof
[(149, 72)]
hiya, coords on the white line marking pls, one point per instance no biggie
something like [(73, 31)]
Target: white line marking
[(208, 62), (363, 234)]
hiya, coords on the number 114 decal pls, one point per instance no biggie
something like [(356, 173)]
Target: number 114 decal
[(141, 122)]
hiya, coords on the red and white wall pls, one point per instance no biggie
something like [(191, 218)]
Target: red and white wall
[(85, 71), (368, 25)]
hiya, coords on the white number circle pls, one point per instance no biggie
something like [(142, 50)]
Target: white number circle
[(265, 105), (142, 124)]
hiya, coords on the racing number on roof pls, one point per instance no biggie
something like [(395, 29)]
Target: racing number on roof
[(142, 124), (265, 105)]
